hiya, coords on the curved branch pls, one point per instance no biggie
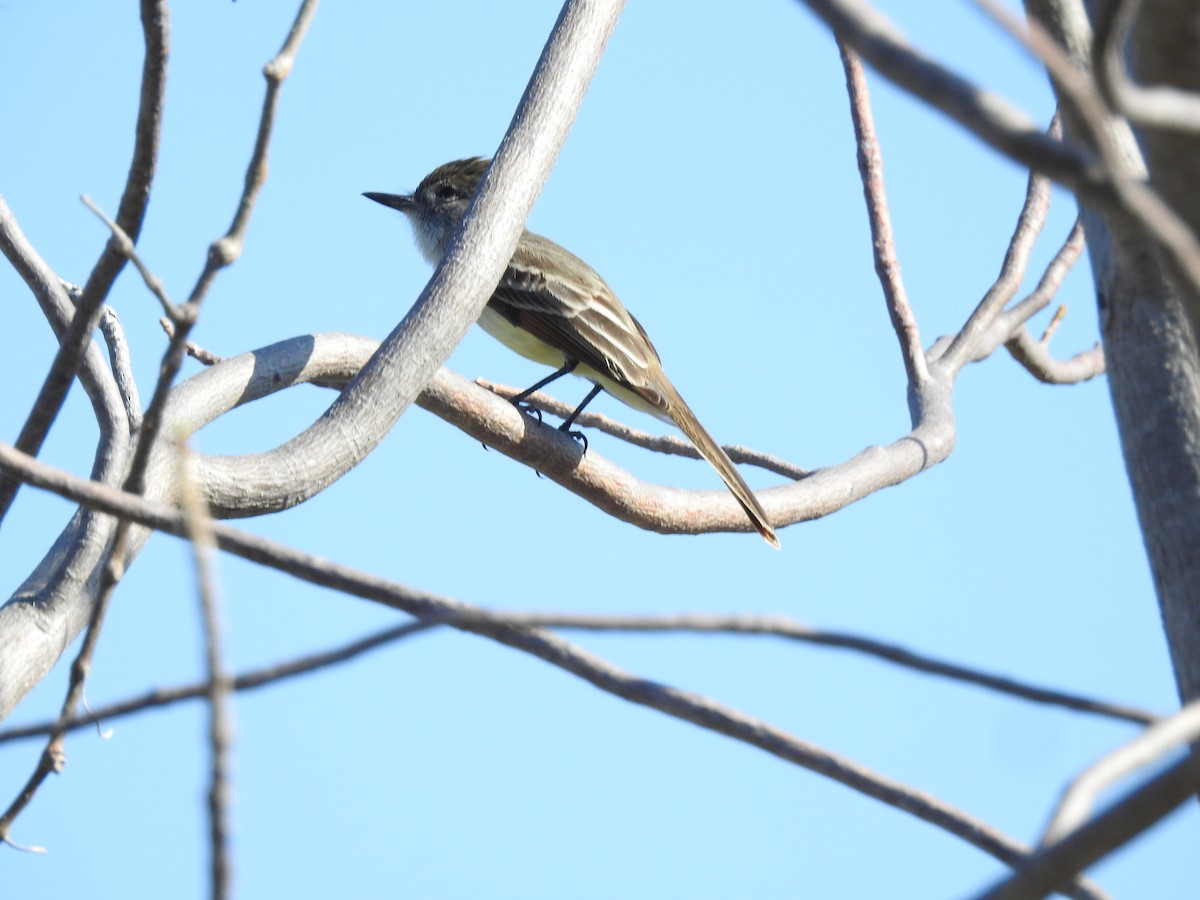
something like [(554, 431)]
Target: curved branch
[(411, 355), (490, 419)]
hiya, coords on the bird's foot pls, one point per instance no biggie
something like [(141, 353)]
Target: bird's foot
[(529, 409), (578, 436)]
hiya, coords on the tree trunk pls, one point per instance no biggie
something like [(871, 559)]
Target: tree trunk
[(1144, 318)]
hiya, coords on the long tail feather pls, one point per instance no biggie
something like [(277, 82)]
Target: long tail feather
[(683, 416)]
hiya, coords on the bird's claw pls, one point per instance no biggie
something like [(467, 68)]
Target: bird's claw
[(581, 437), (529, 409)]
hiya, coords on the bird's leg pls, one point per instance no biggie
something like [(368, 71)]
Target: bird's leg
[(566, 425), (519, 400)]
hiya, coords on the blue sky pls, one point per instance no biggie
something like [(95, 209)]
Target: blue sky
[(711, 178)]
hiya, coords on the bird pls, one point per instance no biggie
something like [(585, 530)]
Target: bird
[(553, 308)]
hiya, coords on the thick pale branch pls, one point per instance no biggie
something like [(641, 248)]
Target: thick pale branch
[(235, 490)]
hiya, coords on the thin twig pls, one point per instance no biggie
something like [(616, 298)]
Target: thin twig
[(680, 704), (194, 350), (766, 626), (130, 214), (219, 683), (226, 249), (1052, 325), (53, 757), (1029, 226), (248, 681), (784, 627), (1050, 282), (659, 443), (125, 246), (883, 244), (122, 366), (1133, 194)]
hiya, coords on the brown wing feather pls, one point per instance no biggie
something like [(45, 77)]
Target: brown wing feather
[(583, 317)]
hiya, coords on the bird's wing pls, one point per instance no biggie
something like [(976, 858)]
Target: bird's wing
[(580, 316)]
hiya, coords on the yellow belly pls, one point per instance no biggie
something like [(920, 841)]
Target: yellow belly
[(521, 341)]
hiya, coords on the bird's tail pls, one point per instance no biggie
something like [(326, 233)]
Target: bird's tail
[(683, 416)]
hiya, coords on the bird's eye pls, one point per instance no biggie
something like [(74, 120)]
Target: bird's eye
[(445, 192)]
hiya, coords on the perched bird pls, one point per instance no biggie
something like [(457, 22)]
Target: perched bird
[(552, 307)]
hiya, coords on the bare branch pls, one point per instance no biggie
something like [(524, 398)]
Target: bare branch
[(988, 116), (782, 626), (122, 366), (693, 623), (1012, 271), (1160, 106), (53, 604), (225, 250), (883, 244), (124, 245), (248, 681), (74, 343), (53, 758), (1010, 329), (678, 703), (1132, 196), (1036, 358), (1051, 280), (219, 686), (659, 443), (1051, 869), (246, 485), (1105, 183), (1147, 748)]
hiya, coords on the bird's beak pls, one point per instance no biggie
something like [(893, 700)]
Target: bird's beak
[(402, 202)]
